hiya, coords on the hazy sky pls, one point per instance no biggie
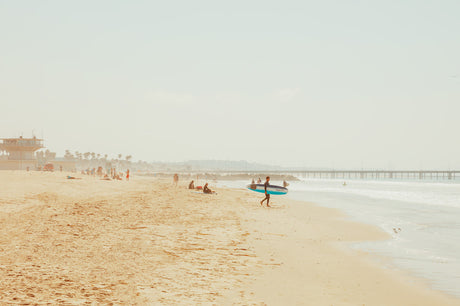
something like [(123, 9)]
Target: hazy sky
[(344, 84)]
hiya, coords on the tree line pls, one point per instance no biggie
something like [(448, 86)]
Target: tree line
[(88, 156)]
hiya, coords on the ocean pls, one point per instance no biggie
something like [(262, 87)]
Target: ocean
[(422, 217)]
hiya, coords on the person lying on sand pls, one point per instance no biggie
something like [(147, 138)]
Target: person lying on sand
[(207, 190), (191, 185), (73, 178), (106, 178)]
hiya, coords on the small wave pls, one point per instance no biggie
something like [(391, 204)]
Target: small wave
[(426, 193)]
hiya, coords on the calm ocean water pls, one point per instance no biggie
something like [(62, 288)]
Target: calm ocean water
[(422, 217)]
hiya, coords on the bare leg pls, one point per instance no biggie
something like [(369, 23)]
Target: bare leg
[(261, 202)]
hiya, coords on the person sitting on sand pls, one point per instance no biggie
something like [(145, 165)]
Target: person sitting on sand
[(191, 185), (207, 190), (267, 195)]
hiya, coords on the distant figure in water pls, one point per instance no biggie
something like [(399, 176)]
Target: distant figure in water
[(207, 190), (344, 184), (176, 179), (259, 181), (191, 185), (267, 196), (285, 184)]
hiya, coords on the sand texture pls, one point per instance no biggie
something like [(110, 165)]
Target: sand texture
[(146, 242)]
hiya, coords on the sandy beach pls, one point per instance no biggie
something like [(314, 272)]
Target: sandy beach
[(146, 242)]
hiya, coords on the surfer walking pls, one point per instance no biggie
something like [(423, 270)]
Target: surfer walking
[(267, 195)]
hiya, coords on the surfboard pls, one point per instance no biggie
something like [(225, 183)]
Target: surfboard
[(271, 189)]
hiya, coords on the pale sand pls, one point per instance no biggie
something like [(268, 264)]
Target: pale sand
[(146, 242)]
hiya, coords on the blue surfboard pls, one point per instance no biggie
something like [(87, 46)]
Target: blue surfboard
[(271, 189)]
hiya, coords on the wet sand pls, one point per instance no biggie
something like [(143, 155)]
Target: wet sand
[(147, 242)]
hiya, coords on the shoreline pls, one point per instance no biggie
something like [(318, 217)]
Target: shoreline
[(323, 269), (147, 242), (338, 273), (420, 219)]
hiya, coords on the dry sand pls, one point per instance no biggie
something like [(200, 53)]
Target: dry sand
[(147, 242)]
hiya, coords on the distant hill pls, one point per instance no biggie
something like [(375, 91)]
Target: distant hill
[(229, 165), (214, 165)]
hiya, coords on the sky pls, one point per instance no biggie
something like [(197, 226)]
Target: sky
[(337, 84)]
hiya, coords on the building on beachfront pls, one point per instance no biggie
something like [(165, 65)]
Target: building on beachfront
[(19, 153)]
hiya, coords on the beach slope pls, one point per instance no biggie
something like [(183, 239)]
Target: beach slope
[(147, 242)]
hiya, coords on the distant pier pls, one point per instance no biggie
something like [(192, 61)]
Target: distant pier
[(363, 174)]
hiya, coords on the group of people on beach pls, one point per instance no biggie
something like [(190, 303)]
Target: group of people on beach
[(192, 186), (207, 190), (105, 175), (259, 181)]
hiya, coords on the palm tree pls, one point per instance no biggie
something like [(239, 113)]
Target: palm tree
[(50, 155), (68, 155)]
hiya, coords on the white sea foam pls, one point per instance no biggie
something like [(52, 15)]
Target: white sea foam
[(424, 192)]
